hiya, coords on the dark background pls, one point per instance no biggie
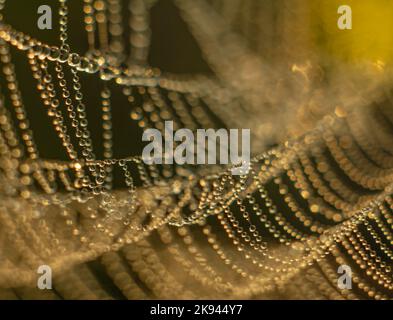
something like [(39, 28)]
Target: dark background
[(173, 49)]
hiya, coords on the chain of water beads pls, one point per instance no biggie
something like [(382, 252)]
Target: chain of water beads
[(206, 203)]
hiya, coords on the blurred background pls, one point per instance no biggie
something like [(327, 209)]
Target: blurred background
[(286, 60), (283, 66)]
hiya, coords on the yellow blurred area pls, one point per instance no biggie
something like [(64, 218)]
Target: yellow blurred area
[(371, 37)]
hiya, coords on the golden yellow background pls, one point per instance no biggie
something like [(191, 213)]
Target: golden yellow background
[(370, 38)]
